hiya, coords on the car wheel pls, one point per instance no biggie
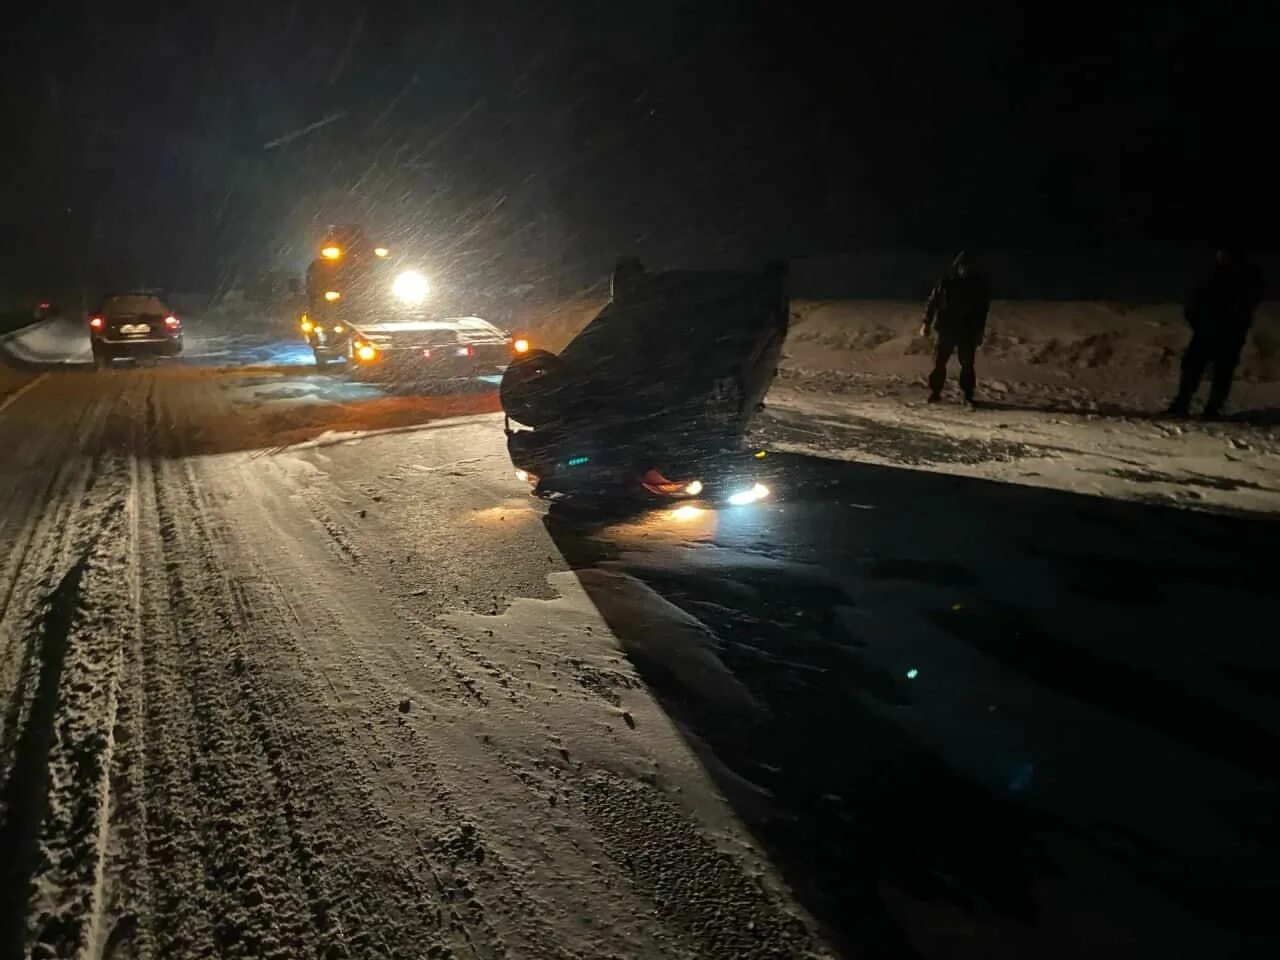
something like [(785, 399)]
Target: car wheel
[(321, 358)]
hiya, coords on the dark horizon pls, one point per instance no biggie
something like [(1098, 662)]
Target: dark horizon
[(527, 141)]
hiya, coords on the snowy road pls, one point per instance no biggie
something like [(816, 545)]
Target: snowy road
[(295, 667)]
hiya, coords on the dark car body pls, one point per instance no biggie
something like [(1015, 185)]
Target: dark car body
[(127, 325), (658, 389)]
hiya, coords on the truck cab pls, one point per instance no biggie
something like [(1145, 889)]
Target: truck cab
[(344, 284)]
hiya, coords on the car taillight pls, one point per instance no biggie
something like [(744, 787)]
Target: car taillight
[(520, 346), (171, 322), (466, 351), (426, 353), (96, 323)]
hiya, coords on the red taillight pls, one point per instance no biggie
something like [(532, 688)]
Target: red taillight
[(467, 351), (96, 323), (171, 322), (426, 353)]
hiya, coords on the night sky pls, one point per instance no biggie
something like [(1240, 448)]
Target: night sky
[(188, 145)]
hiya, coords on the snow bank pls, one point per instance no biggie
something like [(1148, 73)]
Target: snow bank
[(59, 340), (1029, 336), (1147, 339)]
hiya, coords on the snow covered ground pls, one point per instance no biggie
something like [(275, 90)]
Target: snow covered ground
[(294, 666), (1225, 466)]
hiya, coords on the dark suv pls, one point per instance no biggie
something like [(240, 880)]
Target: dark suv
[(133, 325)]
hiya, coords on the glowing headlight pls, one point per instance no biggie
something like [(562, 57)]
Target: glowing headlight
[(693, 487), (410, 288), (332, 295), (743, 497), (366, 352)]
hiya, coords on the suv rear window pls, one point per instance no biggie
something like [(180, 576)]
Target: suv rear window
[(132, 305)]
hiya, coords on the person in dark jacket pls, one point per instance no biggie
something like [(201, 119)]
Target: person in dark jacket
[(1220, 311), (957, 310)]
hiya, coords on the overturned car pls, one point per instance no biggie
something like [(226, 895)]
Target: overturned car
[(653, 397)]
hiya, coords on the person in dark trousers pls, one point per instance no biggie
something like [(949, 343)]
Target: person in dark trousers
[(1220, 311), (957, 309)]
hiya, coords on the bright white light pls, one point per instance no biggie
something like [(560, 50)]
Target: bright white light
[(410, 288), (686, 513), (524, 476), (693, 488), (743, 497)]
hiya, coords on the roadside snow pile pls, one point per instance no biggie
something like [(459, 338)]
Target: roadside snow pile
[(881, 336), (63, 340), (1036, 340)]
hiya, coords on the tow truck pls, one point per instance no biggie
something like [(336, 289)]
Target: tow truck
[(383, 318)]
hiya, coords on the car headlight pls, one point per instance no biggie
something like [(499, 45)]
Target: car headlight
[(410, 288), (752, 494)]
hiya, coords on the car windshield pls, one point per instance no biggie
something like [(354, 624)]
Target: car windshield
[(473, 328)]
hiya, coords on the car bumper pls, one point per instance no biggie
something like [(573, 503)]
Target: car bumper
[(153, 346)]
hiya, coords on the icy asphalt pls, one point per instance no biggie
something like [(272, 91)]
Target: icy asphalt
[(293, 666)]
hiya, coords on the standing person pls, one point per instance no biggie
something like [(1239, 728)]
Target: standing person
[(1220, 311), (957, 309)]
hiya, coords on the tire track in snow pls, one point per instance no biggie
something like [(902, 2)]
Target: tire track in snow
[(37, 566), (80, 681), (58, 791), (548, 789), (44, 528), (460, 858), (241, 898), (333, 877)]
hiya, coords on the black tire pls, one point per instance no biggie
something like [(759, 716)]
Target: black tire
[(530, 388), (322, 358), (101, 360)]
